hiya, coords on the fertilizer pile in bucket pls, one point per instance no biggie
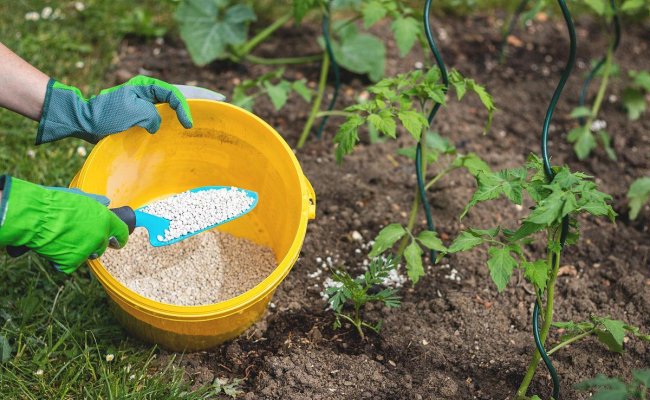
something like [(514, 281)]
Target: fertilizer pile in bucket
[(203, 269)]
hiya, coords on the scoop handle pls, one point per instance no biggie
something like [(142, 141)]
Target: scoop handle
[(125, 213)]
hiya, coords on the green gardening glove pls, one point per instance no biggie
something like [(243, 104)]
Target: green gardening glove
[(66, 113), (65, 227)]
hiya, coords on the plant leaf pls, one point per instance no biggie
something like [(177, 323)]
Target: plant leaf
[(406, 31), (501, 265), (387, 238), (580, 112), (384, 123), (642, 376), (536, 272), (430, 240), (634, 102), (612, 335), (278, 93), (551, 209), (347, 136), (361, 53), (492, 185), (465, 241), (583, 140), (606, 141), (641, 79), (473, 163), (609, 388), (599, 6), (638, 194), (300, 9), (302, 89), (413, 256), (208, 30), (632, 5), (372, 12), (413, 121), (526, 229)]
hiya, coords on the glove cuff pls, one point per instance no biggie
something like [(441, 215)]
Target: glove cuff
[(24, 206), (5, 186), (45, 112)]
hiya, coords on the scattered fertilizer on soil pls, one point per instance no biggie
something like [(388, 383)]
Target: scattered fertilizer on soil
[(193, 211), (203, 269)]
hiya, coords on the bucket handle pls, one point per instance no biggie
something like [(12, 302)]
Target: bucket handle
[(311, 197)]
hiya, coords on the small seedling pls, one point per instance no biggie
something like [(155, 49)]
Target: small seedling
[(606, 388), (638, 195), (355, 293), (229, 387), (392, 233), (557, 204)]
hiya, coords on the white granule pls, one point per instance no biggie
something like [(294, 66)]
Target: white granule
[(193, 211), (203, 269), (328, 283), (453, 275), (598, 125), (394, 279)]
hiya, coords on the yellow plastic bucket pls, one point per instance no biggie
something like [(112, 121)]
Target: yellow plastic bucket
[(227, 146)]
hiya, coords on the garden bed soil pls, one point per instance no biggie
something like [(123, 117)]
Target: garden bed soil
[(449, 340)]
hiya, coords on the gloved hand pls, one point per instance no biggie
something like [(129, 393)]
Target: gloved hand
[(67, 113), (65, 227)]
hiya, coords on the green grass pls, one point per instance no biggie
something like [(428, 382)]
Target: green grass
[(58, 328)]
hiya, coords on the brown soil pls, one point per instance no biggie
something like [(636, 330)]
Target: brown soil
[(449, 340)]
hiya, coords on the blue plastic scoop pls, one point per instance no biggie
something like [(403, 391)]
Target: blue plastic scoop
[(153, 224), (156, 225)]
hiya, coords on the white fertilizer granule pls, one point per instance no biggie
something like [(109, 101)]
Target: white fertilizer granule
[(193, 211), (203, 269)]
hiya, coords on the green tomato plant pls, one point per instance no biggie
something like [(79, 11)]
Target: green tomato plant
[(568, 196), (349, 296), (403, 100)]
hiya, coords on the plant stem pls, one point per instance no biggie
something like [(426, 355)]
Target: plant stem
[(325, 66), (548, 319), (439, 176), (601, 89), (409, 227), (571, 340), (262, 35), (334, 113), (416, 200), (358, 322), (282, 60)]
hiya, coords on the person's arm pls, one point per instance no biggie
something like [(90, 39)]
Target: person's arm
[(22, 86)]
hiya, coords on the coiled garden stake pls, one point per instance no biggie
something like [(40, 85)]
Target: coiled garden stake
[(420, 157), (541, 338)]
